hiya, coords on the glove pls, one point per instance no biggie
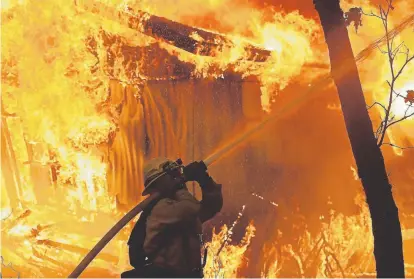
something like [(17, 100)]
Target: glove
[(195, 171)]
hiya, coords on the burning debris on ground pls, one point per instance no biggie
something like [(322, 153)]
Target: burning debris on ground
[(93, 89)]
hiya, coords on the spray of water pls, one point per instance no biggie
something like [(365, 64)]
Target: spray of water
[(226, 148)]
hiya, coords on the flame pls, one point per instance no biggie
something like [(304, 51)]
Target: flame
[(224, 261), (54, 99), (20, 230), (55, 80), (55, 84), (342, 248), (355, 173), (288, 35), (376, 85)]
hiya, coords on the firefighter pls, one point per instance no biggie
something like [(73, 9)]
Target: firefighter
[(166, 241)]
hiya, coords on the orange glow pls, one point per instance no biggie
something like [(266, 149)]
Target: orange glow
[(402, 107), (58, 74), (230, 258)]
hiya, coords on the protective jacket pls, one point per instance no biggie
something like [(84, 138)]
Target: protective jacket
[(165, 242), (174, 226)]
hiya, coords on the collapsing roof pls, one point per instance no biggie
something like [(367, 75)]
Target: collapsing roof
[(190, 39)]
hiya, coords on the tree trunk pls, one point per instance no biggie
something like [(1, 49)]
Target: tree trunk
[(369, 160)]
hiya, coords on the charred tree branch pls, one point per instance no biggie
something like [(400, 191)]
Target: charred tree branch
[(392, 53), (397, 146), (377, 104)]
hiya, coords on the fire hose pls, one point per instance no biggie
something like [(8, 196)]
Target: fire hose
[(142, 205), (122, 223), (125, 220), (110, 234), (208, 161), (219, 153)]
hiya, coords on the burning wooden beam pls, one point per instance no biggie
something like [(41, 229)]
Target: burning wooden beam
[(190, 39)]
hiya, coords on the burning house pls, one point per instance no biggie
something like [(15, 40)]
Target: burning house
[(91, 89)]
